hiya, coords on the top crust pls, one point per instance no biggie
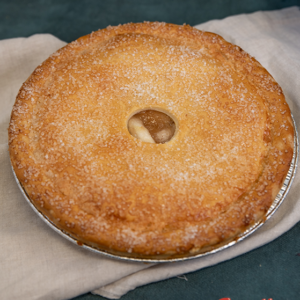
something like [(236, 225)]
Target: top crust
[(71, 150)]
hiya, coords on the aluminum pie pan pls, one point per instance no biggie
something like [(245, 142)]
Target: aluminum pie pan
[(206, 251)]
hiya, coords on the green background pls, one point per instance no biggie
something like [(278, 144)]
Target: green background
[(272, 271)]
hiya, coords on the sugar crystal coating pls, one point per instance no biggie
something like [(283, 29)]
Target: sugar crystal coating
[(72, 152)]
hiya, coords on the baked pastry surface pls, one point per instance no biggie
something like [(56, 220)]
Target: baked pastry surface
[(73, 154)]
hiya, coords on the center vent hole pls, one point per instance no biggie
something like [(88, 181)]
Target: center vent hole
[(152, 126)]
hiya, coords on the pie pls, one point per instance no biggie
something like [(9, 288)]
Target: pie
[(215, 173)]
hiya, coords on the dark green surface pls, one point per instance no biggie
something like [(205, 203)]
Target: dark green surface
[(71, 19), (272, 271)]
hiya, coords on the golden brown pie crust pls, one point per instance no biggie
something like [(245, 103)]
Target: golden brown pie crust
[(72, 152)]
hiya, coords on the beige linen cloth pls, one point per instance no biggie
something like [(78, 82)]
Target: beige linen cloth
[(37, 263)]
